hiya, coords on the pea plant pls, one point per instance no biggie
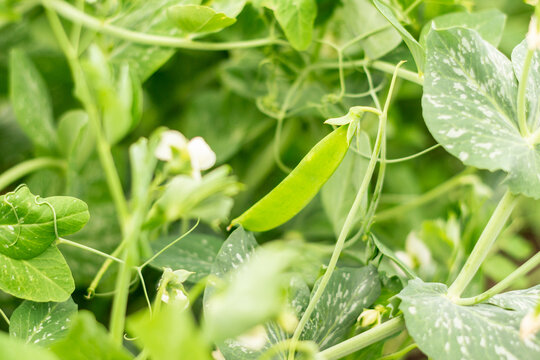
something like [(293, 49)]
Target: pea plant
[(269, 179)]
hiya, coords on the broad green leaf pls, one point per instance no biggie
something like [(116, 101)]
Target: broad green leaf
[(28, 224), (15, 349), (416, 49), (231, 8), (348, 292), (148, 17), (296, 18), (469, 106), (45, 277), (361, 18), (446, 331), (338, 194), (195, 253), (88, 340), (488, 23), (31, 102), (42, 323), (170, 334), (76, 141), (198, 18)]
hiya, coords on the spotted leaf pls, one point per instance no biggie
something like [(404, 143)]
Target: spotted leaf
[(446, 331), (469, 105)]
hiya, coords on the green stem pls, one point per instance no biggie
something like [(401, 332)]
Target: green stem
[(102, 270), (364, 339), (89, 249), (522, 90), (401, 353), (463, 178), (528, 266), (29, 166), (83, 92), (76, 16), (169, 245), (484, 244), (4, 316), (347, 226), (303, 346), (120, 300)]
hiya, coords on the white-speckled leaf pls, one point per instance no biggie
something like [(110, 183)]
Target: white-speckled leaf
[(235, 252), (348, 292), (446, 331), (42, 323), (469, 105)]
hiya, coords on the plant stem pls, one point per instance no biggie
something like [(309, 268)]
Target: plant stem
[(364, 339), (29, 166), (4, 316), (76, 16), (461, 179), (89, 249), (83, 93), (484, 244), (347, 226), (522, 90), (505, 283), (401, 353), (169, 245), (102, 270)]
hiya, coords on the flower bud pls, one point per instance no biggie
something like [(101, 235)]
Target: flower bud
[(530, 325), (369, 317), (170, 139), (533, 36)]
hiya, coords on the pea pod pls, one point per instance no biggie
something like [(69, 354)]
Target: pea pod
[(299, 187)]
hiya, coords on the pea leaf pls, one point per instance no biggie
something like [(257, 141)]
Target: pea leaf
[(169, 334), (15, 349), (88, 340), (42, 323), (195, 253), (253, 279), (416, 49), (296, 18), (76, 141), (31, 102), (45, 277), (198, 18), (444, 330), (349, 291), (27, 224), (469, 106), (488, 23), (231, 8), (360, 17)]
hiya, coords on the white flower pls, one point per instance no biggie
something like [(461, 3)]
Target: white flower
[(530, 325), (170, 139), (369, 317), (254, 339), (418, 250), (201, 155), (533, 36)]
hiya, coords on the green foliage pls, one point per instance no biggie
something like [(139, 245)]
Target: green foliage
[(15, 349), (92, 341), (433, 319), (29, 225), (31, 102), (42, 323), (198, 19)]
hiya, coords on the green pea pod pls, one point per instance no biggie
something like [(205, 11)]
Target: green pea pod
[(299, 187)]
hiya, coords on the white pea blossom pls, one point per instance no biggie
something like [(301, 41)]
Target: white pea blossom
[(533, 36), (530, 325), (369, 317), (170, 139), (201, 155)]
